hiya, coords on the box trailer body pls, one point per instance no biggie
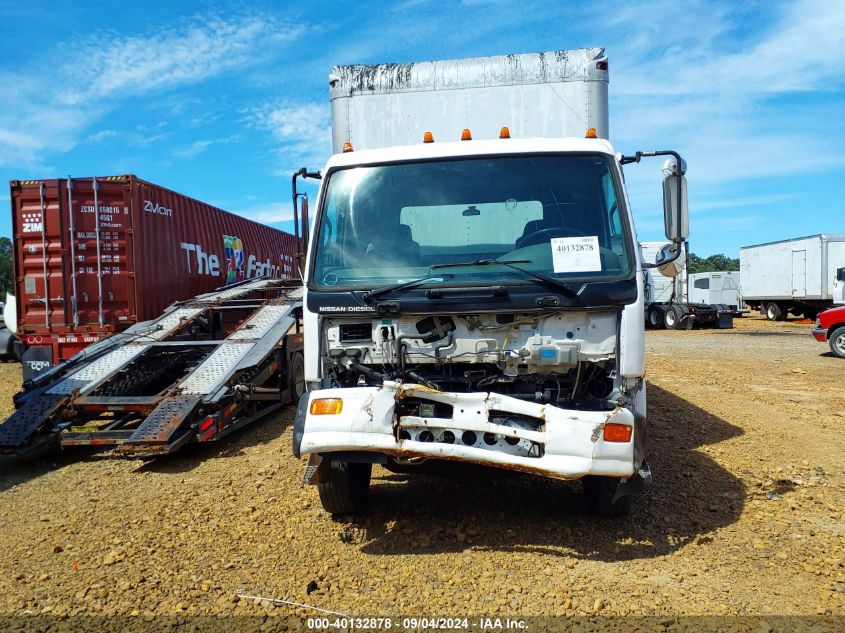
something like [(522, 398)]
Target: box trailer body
[(93, 256), (797, 275), (473, 287), (715, 288), (544, 95)]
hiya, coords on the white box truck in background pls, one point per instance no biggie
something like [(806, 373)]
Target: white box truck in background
[(716, 288), (802, 276), (473, 286)]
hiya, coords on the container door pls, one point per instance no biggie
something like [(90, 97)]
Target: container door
[(100, 280), (39, 263), (799, 273)]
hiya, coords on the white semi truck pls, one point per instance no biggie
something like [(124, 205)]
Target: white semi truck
[(473, 286)]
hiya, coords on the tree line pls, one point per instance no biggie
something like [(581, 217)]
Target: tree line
[(714, 263)]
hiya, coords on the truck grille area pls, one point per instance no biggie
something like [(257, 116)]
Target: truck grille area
[(488, 441), (356, 332)]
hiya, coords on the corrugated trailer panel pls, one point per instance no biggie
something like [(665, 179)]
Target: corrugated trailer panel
[(82, 274), (204, 248)]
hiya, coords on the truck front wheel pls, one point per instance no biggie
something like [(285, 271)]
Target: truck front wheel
[(344, 486), (599, 493), (837, 342), (774, 312)]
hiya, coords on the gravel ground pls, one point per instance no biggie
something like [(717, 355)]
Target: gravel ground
[(745, 517)]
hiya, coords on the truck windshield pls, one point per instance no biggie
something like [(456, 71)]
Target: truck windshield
[(389, 224)]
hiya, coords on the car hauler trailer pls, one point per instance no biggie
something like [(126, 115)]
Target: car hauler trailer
[(671, 304), (93, 256), (204, 368), (802, 276), (474, 289)]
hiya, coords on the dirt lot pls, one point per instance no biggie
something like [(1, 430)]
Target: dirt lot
[(745, 517)]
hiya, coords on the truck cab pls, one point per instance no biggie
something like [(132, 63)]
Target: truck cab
[(477, 301)]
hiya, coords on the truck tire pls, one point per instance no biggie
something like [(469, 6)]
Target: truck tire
[(773, 311), (673, 316), (656, 317), (598, 496), (296, 376), (837, 342), (810, 313), (344, 487)]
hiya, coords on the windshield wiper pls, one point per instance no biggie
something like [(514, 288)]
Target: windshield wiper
[(377, 292), (509, 263)]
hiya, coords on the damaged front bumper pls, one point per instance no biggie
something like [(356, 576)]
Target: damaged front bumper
[(411, 421)]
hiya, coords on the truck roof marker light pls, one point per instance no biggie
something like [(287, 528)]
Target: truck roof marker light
[(466, 135), (601, 65), (326, 406), (591, 133), (347, 147), (615, 432), (504, 133), (428, 137)]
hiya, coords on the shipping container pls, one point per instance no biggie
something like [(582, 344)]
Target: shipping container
[(93, 256), (800, 275)]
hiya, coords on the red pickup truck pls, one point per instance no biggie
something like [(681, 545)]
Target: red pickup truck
[(830, 326)]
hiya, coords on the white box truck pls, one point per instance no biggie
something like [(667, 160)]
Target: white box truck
[(716, 288), (802, 276), (473, 286)]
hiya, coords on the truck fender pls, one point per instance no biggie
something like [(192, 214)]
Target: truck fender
[(299, 423)]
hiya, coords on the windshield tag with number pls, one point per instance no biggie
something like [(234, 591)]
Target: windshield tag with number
[(576, 254)]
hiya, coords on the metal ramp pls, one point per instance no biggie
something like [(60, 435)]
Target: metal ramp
[(204, 368)]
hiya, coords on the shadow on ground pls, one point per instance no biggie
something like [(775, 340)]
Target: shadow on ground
[(16, 470), (692, 496)]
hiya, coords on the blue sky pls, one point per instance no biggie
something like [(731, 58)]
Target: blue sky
[(223, 101)]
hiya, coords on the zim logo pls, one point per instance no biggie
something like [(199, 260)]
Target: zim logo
[(155, 207), (32, 223)]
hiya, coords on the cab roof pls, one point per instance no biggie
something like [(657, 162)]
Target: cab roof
[(460, 149)]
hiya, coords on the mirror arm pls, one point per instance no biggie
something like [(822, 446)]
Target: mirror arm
[(638, 156)]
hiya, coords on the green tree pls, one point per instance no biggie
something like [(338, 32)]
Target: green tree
[(714, 263), (7, 277)]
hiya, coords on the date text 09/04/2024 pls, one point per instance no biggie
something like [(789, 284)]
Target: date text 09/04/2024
[(414, 623)]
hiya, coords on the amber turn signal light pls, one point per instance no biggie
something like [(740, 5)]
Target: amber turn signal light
[(326, 406), (428, 137), (591, 133), (614, 432), (466, 135), (504, 133)]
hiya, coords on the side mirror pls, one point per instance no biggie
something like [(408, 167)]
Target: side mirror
[(675, 209), (669, 261), (840, 274)]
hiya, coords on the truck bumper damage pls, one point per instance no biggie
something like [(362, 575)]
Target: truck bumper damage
[(412, 421)]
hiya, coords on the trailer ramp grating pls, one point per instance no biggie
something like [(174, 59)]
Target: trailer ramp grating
[(25, 421)]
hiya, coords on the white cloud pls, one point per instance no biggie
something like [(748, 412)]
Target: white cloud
[(99, 77), (303, 132), (102, 135), (198, 147), (267, 213)]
